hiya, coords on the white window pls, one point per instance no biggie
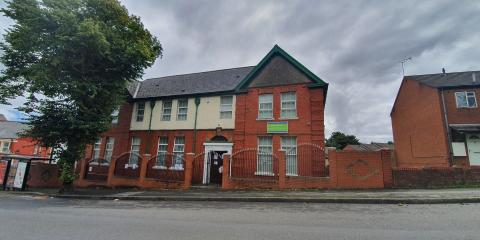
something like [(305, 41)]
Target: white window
[(178, 152), (166, 110), (36, 149), (289, 105), (265, 106), (115, 116), (109, 148), (134, 151), (264, 156), (5, 147), (96, 149), (466, 99), (162, 151), (289, 145), (182, 109), (140, 111), (226, 107)]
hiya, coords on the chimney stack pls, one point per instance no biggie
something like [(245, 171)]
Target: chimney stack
[(474, 78)]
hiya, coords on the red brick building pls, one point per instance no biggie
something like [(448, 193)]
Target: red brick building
[(12, 143), (436, 120), (277, 104)]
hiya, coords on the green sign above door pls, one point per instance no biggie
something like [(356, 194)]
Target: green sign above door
[(277, 127)]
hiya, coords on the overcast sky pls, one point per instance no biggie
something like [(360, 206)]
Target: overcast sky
[(355, 46)]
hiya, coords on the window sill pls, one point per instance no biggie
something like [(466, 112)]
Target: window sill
[(288, 118), (133, 166), (159, 167), (104, 164), (292, 175), (466, 107), (265, 119), (264, 174), (176, 168)]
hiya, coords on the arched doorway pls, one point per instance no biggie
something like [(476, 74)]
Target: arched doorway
[(213, 162)]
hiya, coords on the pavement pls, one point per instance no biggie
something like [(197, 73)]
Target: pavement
[(390, 196)]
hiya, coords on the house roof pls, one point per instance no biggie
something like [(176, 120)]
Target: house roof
[(223, 80), (11, 129), (369, 147), (448, 80)]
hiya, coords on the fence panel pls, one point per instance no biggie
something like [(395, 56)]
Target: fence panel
[(198, 165), (97, 169), (254, 165), (306, 160), (166, 167), (127, 165)]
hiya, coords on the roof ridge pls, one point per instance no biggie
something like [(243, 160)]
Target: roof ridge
[(416, 75), (216, 70)]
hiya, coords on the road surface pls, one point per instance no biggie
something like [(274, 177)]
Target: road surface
[(26, 217)]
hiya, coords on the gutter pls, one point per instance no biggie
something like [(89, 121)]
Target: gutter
[(152, 105), (447, 128), (197, 102)]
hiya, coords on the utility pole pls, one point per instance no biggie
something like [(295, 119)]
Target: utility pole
[(403, 63)]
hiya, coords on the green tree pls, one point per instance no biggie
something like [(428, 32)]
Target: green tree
[(340, 140), (72, 60)]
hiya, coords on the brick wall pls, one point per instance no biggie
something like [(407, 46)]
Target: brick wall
[(43, 175), (434, 177), (461, 115)]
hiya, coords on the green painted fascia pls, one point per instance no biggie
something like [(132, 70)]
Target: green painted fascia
[(318, 82)]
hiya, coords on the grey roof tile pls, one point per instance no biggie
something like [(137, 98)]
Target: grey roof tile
[(11, 129), (454, 79), (194, 83)]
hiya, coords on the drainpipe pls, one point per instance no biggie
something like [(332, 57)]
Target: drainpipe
[(197, 102), (149, 148), (447, 128)]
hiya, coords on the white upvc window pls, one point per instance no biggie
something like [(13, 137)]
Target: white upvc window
[(115, 116), (96, 149), (134, 151), (162, 152), (289, 145), (140, 111), (265, 156), (265, 106), (466, 99), (288, 105), (182, 109), (5, 146), (109, 149), (166, 110), (178, 153), (226, 107)]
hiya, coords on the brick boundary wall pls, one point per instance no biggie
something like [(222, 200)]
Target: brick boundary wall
[(43, 175), (435, 177)]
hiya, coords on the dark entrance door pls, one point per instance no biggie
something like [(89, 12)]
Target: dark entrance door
[(216, 167)]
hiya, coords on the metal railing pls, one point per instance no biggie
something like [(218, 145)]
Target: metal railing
[(306, 160), (166, 167), (97, 169), (253, 165)]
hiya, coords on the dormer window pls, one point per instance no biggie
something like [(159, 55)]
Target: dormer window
[(140, 111), (466, 99)]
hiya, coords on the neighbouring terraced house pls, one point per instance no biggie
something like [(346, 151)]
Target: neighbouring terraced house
[(275, 105)]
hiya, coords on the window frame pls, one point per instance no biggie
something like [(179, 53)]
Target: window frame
[(97, 151), (114, 115), (163, 118), (108, 152), (282, 109), (132, 151), (175, 165), (179, 108), (259, 117), (5, 145), (261, 169), (466, 99), (162, 151), (228, 106), (140, 117), (290, 157)]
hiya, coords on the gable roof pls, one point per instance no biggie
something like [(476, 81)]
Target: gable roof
[(11, 129), (369, 147), (277, 51), (448, 80), (224, 80)]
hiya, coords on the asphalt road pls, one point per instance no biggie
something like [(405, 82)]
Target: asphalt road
[(23, 217)]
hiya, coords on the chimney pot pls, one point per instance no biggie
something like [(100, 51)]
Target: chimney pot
[(443, 70), (474, 78)]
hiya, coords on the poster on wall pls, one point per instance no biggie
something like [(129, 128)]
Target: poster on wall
[(3, 171), (20, 175), (11, 173)]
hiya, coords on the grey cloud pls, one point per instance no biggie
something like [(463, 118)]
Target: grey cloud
[(356, 46)]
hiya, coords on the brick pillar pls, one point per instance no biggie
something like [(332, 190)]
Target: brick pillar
[(83, 169), (282, 170), (143, 169), (332, 165), (188, 170), (226, 172), (111, 172)]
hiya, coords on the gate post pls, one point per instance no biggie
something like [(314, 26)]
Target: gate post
[(282, 170), (226, 172), (143, 169), (187, 183), (111, 171), (83, 166)]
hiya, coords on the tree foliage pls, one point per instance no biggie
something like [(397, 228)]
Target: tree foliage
[(340, 140), (72, 60)]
